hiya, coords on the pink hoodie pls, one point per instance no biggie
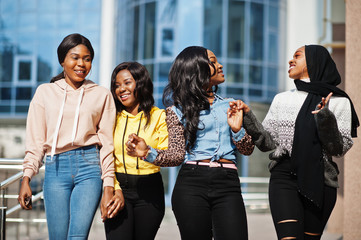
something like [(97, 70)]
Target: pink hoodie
[(77, 118)]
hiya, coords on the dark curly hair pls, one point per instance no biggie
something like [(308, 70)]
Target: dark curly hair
[(68, 43), (143, 89), (187, 88)]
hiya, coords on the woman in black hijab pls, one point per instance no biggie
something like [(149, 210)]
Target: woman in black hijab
[(305, 127)]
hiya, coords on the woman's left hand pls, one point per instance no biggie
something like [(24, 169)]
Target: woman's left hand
[(235, 115), (323, 103), (116, 204)]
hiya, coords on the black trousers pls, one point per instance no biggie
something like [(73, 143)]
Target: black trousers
[(293, 215), (207, 202), (144, 208)]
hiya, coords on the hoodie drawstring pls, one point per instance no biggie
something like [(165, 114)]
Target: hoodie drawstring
[(76, 117), (125, 168), (140, 121), (123, 153), (60, 117), (56, 132)]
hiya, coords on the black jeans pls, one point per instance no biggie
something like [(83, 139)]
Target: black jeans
[(293, 215), (207, 202), (144, 208)]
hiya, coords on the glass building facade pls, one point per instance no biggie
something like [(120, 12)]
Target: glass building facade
[(30, 32), (244, 35)]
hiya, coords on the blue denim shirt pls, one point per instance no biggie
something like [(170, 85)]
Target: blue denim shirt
[(214, 140)]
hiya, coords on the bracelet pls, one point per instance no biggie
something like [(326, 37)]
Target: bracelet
[(146, 155)]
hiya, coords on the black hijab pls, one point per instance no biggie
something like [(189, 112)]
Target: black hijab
[(307, 162)]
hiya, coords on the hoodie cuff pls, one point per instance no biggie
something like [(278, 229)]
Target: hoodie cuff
[(28, 173), (108, 182)]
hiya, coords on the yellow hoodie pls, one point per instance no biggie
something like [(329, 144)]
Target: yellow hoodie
[(155, 135)]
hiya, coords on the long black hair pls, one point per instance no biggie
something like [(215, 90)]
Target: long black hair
[(68, 43), (187, 88), (143, 89)]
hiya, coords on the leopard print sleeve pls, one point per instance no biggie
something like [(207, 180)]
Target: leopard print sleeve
[(245, 146), (174, 155)]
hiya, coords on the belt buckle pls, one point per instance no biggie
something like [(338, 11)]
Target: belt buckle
[(213, 164)]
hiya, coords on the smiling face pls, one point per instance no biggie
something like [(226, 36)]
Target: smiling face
[(77, 64), (298, 65), (217, 76), (124, 89)]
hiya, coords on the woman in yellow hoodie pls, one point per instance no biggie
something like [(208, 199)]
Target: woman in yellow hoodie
[(138, 186), (71, 121)]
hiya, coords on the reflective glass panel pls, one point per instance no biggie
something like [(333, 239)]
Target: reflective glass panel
[(8, 6), (6, 63), (234, 92), (21, 109), (27, 5), (5, 109), (9, 21), (236, 29), (273, 17), (5, 93), (255, 74), (24, 71), (212, 34), (256, 32), (23, 93), (255, 92), (167, 42), (272, 77), (273, 48), (26, 21), (47, 6), (46, 21), (234, 72), (44, 72), (136, 33), (149, 31)]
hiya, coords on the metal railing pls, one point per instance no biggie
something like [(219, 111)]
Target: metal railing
[(13, 164)]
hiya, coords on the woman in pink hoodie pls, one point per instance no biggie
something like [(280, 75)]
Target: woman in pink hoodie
[(71, 122)]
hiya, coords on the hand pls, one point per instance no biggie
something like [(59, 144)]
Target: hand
[(235, 115), (136, 146), (25, 194), (239, 105), (323, 103), (116, 204), (106, 199)]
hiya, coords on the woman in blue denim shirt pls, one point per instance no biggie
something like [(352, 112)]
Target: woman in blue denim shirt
[(204, 133)]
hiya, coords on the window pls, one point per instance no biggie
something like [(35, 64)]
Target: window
[(236, 29), (256, 32), (167, 42), (213, 26)]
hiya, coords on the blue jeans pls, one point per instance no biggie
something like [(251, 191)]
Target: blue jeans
[(72, 191)]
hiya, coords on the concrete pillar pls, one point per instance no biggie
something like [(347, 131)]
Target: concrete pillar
[(352, 191), (107, 42)]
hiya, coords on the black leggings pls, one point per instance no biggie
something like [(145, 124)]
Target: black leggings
[(207, 202), (295, 217), (144, 208)]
